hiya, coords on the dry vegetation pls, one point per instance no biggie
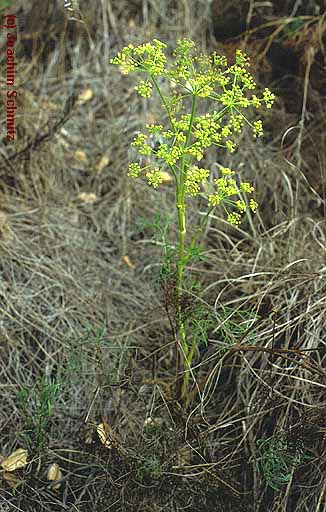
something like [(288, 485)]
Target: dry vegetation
[(87, 355)]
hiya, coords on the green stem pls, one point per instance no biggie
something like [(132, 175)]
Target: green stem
[(162, 98), (191, 352), (187, 353), (181, 208)]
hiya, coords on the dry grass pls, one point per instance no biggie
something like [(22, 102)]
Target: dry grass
[(84, 329)]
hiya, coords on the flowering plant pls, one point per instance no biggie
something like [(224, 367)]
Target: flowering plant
[(193, 76)]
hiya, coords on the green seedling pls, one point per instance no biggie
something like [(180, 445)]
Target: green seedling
[(36, 405), (95, 351), (151, 467), (277, 460)]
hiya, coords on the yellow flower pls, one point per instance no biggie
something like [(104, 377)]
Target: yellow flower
[(234, 218)]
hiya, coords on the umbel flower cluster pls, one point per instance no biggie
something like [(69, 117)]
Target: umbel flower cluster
[(193, 75)]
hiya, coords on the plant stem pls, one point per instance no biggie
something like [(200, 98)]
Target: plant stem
[(162, 98), (181, 208)]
